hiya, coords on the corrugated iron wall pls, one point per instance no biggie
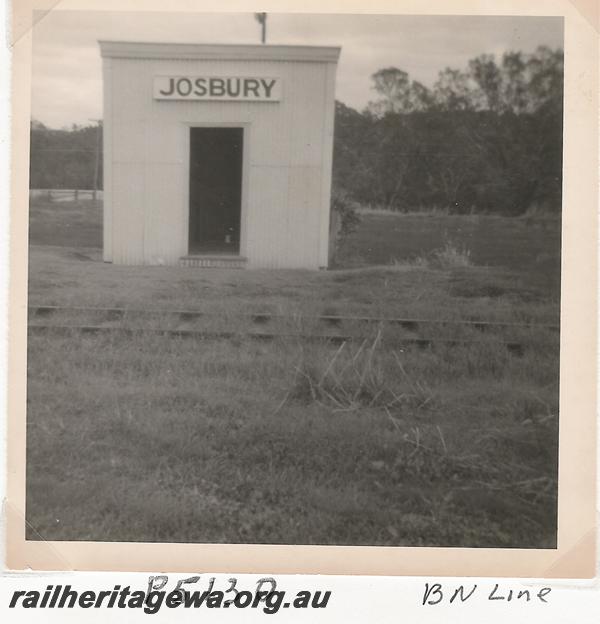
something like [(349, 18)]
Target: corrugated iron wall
[(287, 161)]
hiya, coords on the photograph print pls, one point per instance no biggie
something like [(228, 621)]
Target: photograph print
[(294, 279)]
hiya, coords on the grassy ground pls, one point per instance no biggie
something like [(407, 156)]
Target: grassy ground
[(164, 439), (530, 247)]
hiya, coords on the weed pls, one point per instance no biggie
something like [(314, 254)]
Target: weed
[(354, 380), (451, 256)]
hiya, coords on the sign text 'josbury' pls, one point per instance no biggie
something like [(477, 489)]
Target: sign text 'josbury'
[(217, 88)]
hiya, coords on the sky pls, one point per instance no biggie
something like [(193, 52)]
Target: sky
[(67, 78)]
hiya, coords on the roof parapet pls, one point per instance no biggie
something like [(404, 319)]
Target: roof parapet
[(210, 51)]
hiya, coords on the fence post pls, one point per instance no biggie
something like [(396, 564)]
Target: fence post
[(76, 194)]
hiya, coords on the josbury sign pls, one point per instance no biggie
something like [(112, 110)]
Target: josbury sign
[(217, 88)]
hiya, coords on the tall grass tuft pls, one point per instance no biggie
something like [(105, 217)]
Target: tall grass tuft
[(451, 256), (365, 378)]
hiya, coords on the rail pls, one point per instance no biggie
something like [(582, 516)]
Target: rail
[(39, 313), (115, 313)]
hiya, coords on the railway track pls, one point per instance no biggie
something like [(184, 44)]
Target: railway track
[(261, 318), (514, 347), (110, 320)]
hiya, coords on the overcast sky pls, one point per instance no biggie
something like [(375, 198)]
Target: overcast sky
[(67, 80)]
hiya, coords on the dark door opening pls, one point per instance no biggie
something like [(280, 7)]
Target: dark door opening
[(216, 156)]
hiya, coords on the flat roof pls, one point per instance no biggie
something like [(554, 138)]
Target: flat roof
[(246, 52)]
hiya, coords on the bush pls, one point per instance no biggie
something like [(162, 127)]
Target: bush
[(346, 210), (343, 221)]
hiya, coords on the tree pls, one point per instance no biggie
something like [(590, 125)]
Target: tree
[(545, 85), (452, 91), (397, 94), (515, 92), (488, 80)]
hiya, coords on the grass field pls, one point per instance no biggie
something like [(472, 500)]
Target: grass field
[(157, 438)]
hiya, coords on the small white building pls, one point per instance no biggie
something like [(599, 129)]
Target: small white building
[(218, 155)]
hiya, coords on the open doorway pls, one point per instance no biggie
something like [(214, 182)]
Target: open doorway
[(216, 157)]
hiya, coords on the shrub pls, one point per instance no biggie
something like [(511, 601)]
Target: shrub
[(344, 219), (346, 210)]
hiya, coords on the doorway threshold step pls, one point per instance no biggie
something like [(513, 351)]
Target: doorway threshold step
[(213, 261)]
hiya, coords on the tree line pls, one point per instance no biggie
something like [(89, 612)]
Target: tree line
[(484, 139), (64, 159)]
